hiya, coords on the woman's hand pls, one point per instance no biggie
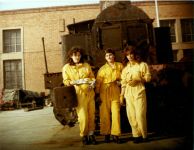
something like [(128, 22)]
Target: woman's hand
[(122, 100)]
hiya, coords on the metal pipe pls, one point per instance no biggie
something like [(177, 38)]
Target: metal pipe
[(157, 13), (44, 55)]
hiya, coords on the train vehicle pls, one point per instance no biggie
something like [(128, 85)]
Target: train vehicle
[(169, 92)]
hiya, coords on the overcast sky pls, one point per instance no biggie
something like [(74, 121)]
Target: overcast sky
[(20, 4)]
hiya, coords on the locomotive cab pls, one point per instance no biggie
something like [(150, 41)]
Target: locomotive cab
[(115, 27)]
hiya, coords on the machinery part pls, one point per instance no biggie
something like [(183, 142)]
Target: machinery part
[(67, 116), (65, 101)]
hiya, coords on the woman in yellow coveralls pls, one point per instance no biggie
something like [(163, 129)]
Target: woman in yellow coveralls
[(107, 85), (76, 72), (133, 77)]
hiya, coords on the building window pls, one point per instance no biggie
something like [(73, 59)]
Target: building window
[(187, 28), (171, 24), (11, 40), (12, 74)]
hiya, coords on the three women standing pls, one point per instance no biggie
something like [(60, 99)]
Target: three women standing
[(132, 76)]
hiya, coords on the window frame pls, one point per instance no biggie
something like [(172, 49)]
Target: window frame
[(172, 28), (184, 27), (13, 74), (12, 40)]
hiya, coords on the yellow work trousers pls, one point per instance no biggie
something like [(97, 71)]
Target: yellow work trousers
[(136, 107), (86, 112), (110, 110)]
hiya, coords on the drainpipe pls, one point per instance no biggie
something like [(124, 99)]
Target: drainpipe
[(157, 13), (44, 55)]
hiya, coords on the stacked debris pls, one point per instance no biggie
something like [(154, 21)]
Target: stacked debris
[(11, 99)]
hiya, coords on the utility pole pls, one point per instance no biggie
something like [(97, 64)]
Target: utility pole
[(157, 13), (44, 55)]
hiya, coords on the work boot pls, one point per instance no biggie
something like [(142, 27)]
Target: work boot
[(85, 140), (92, 139), (116, 139), (145, 139), (138, 140), (107, 138)]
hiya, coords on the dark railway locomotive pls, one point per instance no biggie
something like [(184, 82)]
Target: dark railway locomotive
[(113, 28), (169, 92)]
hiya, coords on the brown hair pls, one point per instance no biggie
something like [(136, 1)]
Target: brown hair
[(109, 50), (71, 52), (132, 50)]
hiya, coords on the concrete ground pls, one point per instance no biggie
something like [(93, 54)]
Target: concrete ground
[(39, 130)]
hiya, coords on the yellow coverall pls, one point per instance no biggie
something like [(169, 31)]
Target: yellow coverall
[(136, 104), (109, 91), (85, 95)]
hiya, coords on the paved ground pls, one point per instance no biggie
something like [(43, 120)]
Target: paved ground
[(39, 130)]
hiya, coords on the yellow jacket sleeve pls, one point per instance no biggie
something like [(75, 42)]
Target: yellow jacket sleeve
[(91, 74), (65, 75), (99, 80), (123, 77), (146, 75)]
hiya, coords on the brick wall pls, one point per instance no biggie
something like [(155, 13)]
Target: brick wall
[(38, 23)]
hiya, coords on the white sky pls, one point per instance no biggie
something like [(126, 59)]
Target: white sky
[(20, 4)]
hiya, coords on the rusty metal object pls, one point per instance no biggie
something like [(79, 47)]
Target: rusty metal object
[(52, 80), (31, 109), (65, 97), (65, 101)]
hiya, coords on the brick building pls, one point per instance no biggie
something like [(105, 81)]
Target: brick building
[(22, 63)]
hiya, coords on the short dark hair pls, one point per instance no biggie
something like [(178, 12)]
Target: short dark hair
[(109, 50)]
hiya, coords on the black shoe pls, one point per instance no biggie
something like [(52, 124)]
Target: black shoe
[(145, 140), (131, 138), (107, 138), (138, 140), (92, 139), (85, 140), (116, 139)]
